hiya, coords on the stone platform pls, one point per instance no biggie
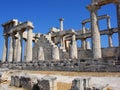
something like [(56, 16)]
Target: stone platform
[(83, 65)]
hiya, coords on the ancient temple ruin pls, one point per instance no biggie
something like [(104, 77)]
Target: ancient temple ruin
[(59, 44)]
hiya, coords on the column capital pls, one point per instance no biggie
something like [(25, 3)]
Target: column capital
[(29, 25), (93, 7), (61, 19), (117, 1), (83, 24)]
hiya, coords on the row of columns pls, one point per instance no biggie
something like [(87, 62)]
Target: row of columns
[(15, 49), (84, 42), (96, 46)]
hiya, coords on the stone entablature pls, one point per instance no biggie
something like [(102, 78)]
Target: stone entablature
[(15, 31)]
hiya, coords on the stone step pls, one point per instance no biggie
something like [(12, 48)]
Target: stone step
[(50, 41)]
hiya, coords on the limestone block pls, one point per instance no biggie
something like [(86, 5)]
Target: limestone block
[(26, 82), (55, 53), (40, 53), (47, 83)]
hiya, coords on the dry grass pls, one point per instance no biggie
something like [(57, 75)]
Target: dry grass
[(15, 88), (96, 74), (63, 86)]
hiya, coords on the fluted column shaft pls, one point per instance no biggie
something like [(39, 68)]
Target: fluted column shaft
[(96, 45), (19, 47), (11, 50), (5, 49), (15, 50), (73, 51), (25, 46), (29, 45), (83, 40), (110, 35)]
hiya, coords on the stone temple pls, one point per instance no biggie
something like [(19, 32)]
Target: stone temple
[(58, 50)]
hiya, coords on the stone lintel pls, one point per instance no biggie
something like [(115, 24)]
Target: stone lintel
[(93, 7), (11, 21), (22, 26), (70, 31), (104, 2), (99, 18)]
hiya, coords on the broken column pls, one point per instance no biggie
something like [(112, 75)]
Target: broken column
[(86, 84), (40, 53), (48, 83), (55, 53), (80, 84), (17, 81), (77, 84), (29, 44), (5, 49), (110, 34), (73, 48), (12, 83), (96, 45)]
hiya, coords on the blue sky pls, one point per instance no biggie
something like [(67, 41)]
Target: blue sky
[(46, 13)]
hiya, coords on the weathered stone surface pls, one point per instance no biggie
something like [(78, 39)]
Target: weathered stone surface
[(47, 83), (17, 82), (40, 53), (12, 83), (80, 84)]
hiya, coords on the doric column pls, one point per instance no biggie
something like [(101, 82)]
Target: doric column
[(25, 46), (19, 46), (83, 40), (118, 19), (29, 45), (73, 50), (61, 24), (15, 49), (55, 53), (110, 35), (5, 49), (96, 45), (11, 50)]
